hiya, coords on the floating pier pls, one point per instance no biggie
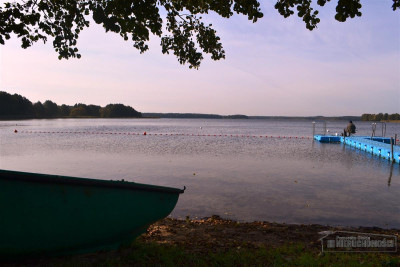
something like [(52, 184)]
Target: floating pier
[(379, 146), (327, 138)]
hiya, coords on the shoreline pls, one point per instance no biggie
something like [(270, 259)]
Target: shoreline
[(261, 118), (226, 234), (223, 242)]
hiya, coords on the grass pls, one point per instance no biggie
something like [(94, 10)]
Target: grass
[(217, 242), (154, 254)]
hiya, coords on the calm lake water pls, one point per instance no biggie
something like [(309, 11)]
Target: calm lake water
[(243, 178)]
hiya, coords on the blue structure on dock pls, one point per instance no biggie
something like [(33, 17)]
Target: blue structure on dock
[(379, 146), (327, 138)]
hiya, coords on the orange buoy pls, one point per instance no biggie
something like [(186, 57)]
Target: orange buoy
[(15, 131), (144, 133)]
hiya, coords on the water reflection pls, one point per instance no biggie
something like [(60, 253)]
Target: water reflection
[(391, 173), (275, 179)]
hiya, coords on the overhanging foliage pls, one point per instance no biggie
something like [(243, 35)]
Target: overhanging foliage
[(183, 33)]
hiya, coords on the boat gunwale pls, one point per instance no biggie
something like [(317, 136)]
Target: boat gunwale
[(67, 180)]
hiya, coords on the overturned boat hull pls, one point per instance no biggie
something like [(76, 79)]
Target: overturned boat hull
[(52, 215)]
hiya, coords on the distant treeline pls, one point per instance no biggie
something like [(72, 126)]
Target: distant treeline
[(215, 116), (18, 107), (311, 118), (192, 116), (380, 117)]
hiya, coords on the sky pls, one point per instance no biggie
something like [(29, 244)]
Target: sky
[(275, 67)]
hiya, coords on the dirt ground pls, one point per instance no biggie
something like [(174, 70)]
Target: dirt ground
[(215, 233)]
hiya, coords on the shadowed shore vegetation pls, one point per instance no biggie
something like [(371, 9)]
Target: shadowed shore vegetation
[(218, 242), (18, 107)]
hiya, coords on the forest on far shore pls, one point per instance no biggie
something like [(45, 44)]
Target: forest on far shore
[(18, 107), (380, 117)]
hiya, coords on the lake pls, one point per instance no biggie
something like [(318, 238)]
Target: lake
[(291, 180)]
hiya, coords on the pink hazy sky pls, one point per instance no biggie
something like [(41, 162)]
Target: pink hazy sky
[(273, 67)]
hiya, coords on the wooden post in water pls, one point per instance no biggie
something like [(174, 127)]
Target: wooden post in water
[(383, 124), (313, 129), (391, 148), (373, 130)]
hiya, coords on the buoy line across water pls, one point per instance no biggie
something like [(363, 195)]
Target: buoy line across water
[(164, 134)]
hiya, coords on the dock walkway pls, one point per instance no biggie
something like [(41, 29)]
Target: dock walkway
[(379, 146)]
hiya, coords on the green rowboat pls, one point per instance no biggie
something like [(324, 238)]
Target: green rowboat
[(53, 215)]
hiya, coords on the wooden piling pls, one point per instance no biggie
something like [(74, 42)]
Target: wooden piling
[(391, 148)]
